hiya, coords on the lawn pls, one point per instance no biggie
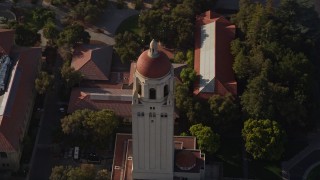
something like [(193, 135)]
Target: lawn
[(264, 170), (230, 154), (130, 24), (314, 173), (272, 169)]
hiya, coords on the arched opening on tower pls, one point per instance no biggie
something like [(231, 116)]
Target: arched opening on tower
[(165, 90), (152, 93)]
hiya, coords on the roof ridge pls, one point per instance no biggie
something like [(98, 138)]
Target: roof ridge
[(5, 144), (83, 52)]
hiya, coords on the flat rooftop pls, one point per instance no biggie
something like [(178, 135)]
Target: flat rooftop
[(207, 57)]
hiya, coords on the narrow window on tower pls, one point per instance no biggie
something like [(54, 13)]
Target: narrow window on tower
[(165, 90), (152, 93), (139, 89)]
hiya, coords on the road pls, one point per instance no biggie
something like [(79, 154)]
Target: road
[(42, 160)]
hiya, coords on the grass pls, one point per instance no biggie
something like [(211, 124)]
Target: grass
[(130, 24), (265, 170), (314, 173), (230, 154)]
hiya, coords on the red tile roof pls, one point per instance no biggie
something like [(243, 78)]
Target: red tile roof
[(153, 67), (224, 34), (83, 98), (6, 40), (20, 95), (93, 61), (188, 142)]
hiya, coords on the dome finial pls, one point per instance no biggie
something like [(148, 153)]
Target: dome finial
[(153, 50)]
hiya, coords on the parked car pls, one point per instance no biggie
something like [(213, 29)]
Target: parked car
[(76, 152), (70, 152)]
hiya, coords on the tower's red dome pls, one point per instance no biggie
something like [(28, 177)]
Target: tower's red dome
[(152, 63)]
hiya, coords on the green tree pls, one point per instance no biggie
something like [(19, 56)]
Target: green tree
[(149, 23), (256, 99), (85, 12), (188, 76), (103, 175), (121, 4), (225, 111), (128, 46), (59, 173), (276, 60), (70, 76), (41, 16), (26, 37), (207, 140), (43, 82), (185, 104), (182, 96), (183, 10), (165, 25), (50, 32), (264, 139), (65, 52), (138, 4), (190, 58), (73, 34), (84, 172), (179, 57), (102, 124), (87, 125)]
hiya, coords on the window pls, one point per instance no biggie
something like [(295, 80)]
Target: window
[(139, 89), (3, 155), (164, 115), (165, 90), (152, 93)]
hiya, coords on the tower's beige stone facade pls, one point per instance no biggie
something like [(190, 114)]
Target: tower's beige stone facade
[(152, 116)]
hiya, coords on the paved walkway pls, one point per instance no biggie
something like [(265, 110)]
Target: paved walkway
[(296, 167)]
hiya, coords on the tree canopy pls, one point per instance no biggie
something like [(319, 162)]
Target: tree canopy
[(24, 36), (188, 75), (41, 16), (87, 125), (225, 111), (43, 82), (128, 46), (50, 31), (264, 139), (275, 60), (84, 172), (73, 34), (70, 76), (207, 140)]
